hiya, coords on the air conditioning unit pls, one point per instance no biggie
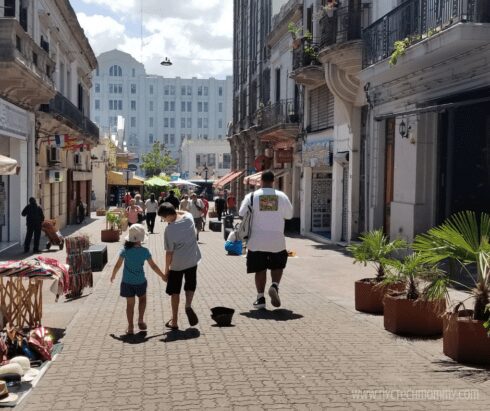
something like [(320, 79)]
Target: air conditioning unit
[(55, 176), (54, 155)]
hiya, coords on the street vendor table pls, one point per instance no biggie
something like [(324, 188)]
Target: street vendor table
[(21, 289)]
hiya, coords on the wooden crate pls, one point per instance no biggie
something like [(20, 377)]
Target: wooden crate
[(21, 301)]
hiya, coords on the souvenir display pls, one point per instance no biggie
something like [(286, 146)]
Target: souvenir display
[(80, 264)]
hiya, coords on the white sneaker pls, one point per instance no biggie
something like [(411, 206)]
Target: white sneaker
[(274, 295)]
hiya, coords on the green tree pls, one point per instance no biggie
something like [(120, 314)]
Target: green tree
[(158, 160)]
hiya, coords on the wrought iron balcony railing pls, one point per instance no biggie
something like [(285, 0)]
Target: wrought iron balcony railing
[(282, 113), (305, 55), (417, 20), (343, 25), (62, 106)]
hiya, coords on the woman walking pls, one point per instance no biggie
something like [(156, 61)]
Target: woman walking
[(151, 212)]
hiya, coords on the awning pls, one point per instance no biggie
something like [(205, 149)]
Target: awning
[(8, 166), (255, 179), (116, 178), (227, 179), (156, 181)]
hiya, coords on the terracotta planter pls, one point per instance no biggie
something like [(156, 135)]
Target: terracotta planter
[(413, 317), (464, 339), (369, 298), (109, 236), (100, 213)]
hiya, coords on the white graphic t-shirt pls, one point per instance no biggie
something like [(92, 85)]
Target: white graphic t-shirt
[(270, 208)]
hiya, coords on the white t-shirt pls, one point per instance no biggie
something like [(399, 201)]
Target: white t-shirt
[(270, 208), (151, 207)]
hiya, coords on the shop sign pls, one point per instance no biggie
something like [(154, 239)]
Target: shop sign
[(132, 167), (13, 121), (262, 163), (284, 156)]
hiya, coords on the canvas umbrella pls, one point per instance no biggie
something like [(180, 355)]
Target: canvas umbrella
[(156, 181), (181, 182), (8, 166)]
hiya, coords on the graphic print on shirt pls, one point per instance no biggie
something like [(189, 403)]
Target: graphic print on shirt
[(269, 202)]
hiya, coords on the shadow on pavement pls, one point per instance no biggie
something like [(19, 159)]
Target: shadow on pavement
[(69, 299), (277, 315), (56, 333), (473, 373), (176, 335), (137, 338)]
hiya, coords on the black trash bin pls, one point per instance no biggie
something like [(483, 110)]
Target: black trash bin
[(227, 225)]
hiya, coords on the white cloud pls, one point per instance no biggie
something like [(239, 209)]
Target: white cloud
[(193, 34)]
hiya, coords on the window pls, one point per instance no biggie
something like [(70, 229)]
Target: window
[(151, 121), (165, 106), (165, 122), (226, 160), (199, 107), (172, 90), (189, 106), (189, 90), (182, 106), (199, 91), (133, 104), (189, 122), (220, 123), (133, 121), (165, 138), (115, 71), (182, 90), (97, 72), (199, 122), (97, 104), (166, 90), (97, 119), (182, 122), (172, 106), (172, 139), (119, 104), (115, 88), (220, 107), (172, 122), (150, 138), (220, 91), (151, 88), (182, 137), (115, 104), (133, 72), (151, 105), (97, 87), (205, 122), (112, 121), (206, 90), (205, 106), (133, 88), (211, 160)]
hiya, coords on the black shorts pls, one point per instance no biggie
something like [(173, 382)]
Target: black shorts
[(131, 290), (174, 283), (263, 260)]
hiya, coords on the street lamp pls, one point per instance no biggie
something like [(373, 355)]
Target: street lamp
[(166, 62)]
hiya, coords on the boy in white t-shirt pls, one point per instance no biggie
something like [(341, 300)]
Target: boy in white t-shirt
[(266, 247)]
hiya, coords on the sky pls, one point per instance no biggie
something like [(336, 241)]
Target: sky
[(196, 35)]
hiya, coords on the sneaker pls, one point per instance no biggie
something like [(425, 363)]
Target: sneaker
[(260, 303), (274, 295)]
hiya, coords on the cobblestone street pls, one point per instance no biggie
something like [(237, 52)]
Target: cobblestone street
[(315, 352)]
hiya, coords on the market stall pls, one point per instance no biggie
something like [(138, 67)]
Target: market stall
[(118, 185)]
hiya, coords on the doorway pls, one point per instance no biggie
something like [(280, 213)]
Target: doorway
[(321, 203)]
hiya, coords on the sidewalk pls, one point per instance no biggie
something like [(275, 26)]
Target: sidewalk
[(316, 352)]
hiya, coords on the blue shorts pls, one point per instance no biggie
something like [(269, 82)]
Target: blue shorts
[(131, 290)]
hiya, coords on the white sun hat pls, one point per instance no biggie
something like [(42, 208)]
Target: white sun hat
[(136, 233), (5, 396), (29, 373)]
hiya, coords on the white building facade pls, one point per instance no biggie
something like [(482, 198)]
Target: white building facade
[(155, 108), (205, 159)]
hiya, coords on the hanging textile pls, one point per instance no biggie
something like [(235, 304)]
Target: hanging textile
[(80, 264)]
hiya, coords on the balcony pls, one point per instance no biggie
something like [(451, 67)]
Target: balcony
[(343, 26), (26, 68), (307, 70), (434, 31), (279, 121), (61, 116)]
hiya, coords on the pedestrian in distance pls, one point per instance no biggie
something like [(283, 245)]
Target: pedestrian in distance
[(127, 198), (205, 210), (34, 218), (80, 212), (266, 246), (172, 199), (182, 255), (231, 204), (151, 206), (141, 204), (134, 283), (184, 203), (220, 206), (93, 198), (196, 208), (133, 212)]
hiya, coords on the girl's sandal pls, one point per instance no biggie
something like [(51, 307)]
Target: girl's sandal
[(142, 326)]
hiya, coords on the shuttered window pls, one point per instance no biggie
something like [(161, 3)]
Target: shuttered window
[(321, 109)]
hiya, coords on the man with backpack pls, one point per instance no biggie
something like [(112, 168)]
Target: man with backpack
[(266, 243)]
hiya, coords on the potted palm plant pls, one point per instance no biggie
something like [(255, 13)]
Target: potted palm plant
[(414, 311), (464, 239), (374, 248), (111, 233)]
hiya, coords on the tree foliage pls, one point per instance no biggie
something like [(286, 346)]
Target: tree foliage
[(158, 160)]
